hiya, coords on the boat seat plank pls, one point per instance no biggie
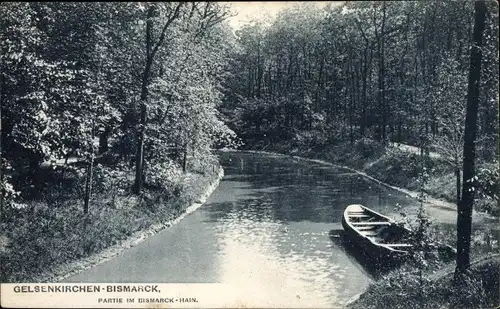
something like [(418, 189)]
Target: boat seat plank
[(370, 223), (369, 233), (365, 228), (359, 216), (399, 245)]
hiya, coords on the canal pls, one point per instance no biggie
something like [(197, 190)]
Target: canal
[(266, 229)]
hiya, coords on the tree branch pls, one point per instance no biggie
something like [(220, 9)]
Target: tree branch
[(172, 16)]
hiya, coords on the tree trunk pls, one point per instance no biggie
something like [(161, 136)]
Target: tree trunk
[(88, 186), (184, 158), (458, 177), (103, 140), (381, 76), (464, 217), (90, 171), (259, 71), (366, 65), (139, 157), (2, 85)]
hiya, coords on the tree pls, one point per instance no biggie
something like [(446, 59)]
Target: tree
[(449, 94), (464, 217), (203, 17), (172, 13), (184, 121)]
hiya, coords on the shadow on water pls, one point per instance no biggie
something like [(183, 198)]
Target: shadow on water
[(372, 267)]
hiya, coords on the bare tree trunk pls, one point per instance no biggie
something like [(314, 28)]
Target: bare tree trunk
[(90, 171), (88, 185), (2, 85), (259, 71), (464, 217), (139, 157), (184, 158), (381, 74), (458, 177), (362, 126)]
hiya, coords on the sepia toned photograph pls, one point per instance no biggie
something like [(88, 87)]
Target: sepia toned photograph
[(266, 154)]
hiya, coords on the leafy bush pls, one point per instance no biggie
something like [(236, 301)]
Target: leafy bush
[(468, 292), (369, 148), (489, 180), (203, 162), (404, 288), (166, 176)]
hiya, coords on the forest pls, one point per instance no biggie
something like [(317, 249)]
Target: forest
[(109, 110), (385, 71)]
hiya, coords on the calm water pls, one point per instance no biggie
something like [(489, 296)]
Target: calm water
[(266, 229)]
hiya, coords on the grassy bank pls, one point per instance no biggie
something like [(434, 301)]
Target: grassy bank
[(50, 231), (410, 289)]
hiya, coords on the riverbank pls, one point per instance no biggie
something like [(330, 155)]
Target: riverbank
[(439, 209), (408, 289), (48, 244), (393, 166)]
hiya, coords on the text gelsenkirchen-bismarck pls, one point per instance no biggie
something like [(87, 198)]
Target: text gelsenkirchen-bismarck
[(86, 288)]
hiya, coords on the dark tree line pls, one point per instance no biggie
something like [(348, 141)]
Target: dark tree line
[(390, 71)]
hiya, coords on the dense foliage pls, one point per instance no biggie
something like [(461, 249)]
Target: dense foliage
[(83, 87), (382, 70), (72, 78), (106, 103)]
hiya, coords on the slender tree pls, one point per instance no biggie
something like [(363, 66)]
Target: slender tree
[(152, 48), (1, 158), (464, 217)]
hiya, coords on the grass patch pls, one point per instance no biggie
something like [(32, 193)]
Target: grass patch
[(407, 288), (54, 230)]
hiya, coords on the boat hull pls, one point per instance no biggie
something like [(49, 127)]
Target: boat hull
[(377, 253)]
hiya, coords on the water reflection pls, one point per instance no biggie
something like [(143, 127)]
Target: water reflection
[(275, 236), (341, 240), (313, 192), (265, 231)]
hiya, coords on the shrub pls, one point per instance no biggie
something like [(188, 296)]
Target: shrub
[(203, 162), (40, 235), (309, 139), (489, 180), (166, 176), (468, 292), (369, 148)]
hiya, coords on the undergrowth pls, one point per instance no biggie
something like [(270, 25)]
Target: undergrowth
[(53, 229), (405, 288)]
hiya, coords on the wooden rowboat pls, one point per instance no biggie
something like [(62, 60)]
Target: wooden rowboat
[(377, 236)]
